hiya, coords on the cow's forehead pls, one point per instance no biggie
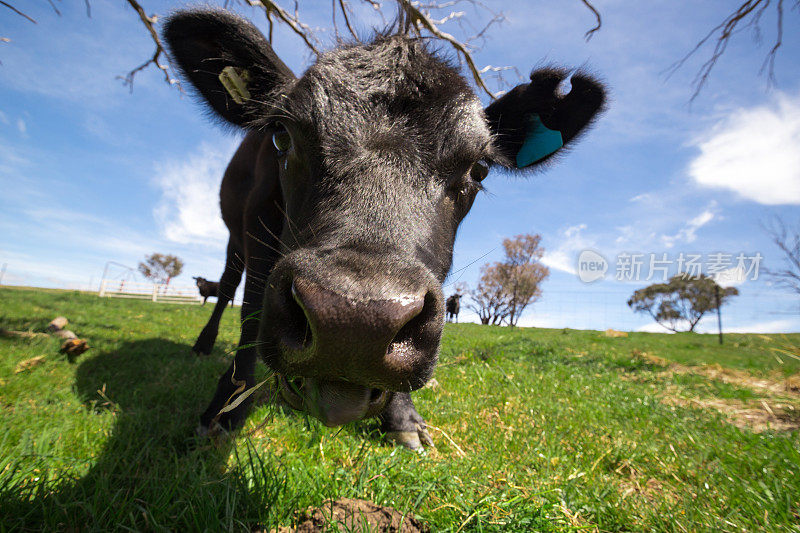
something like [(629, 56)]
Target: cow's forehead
[(391, 89)]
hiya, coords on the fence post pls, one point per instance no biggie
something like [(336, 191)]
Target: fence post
[(102, 291), (155, 292)]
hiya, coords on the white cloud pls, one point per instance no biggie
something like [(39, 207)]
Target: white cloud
[(754, 152), (653, 327), (688, 233), (709, 325), (22, 127), (188, 211), (536, 320), (773, 326), (563, 257)]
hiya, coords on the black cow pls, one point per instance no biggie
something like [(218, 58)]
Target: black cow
[(453, 306), (208, 289), (343, 201)]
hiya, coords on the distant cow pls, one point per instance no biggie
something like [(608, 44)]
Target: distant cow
[(208, 288), (453, 306)]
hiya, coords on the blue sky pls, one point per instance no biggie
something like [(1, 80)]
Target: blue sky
[(90, 172)]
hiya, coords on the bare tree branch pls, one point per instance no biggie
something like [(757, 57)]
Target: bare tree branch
[(343, 6), (414, 17), (748, 14), (788, 242), (419, 21), (54, 7), (156, 59), (588, 35), (293, 21), (769, 62), (17, 11)]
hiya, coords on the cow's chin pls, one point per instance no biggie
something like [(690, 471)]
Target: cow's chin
[(333, 402)]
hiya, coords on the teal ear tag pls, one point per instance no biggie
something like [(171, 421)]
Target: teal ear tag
[(540, 142)]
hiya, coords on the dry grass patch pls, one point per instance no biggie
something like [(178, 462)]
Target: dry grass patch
[(739, 378), (756, 415), (776, 408)]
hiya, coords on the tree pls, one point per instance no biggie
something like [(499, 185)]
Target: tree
[(682, 300), (506, 288), (788, 241), (522, 274), (488, 299), (461, 288), (161, 268)]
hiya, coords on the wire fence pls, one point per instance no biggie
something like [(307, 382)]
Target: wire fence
[(759, 308), (753, 311)]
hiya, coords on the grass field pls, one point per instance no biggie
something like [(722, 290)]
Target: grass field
[(535, 429)]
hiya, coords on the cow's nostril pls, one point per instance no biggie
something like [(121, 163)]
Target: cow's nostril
[(411, 329), (297, 331), (375, 395)]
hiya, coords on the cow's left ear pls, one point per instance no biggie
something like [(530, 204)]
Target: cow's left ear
[(532, 122), (228, 61)]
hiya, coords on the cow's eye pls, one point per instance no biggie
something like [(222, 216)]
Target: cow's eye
[(282, 141), (479, 171)]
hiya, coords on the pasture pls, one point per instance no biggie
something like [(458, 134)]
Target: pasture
[(550, 430)]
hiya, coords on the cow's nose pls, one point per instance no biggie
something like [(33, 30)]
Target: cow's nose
[(330, 314), (363, 340)]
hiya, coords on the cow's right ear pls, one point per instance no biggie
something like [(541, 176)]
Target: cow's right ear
[(227, 60), (533, 122)]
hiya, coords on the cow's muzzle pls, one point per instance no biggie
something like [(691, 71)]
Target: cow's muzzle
[(347, 336), (333, 402)]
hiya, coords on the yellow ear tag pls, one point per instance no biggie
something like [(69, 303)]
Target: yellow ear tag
[(235, 82)]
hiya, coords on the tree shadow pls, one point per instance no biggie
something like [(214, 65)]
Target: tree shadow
[(152, 472)]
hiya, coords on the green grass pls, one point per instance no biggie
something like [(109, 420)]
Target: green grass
[(562, 431)]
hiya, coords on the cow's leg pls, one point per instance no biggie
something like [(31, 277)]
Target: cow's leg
[(401, 423), (204, 300), (240, 375), (227, 288)]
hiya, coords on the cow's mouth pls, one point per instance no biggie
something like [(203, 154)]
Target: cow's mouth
[(333, 402)]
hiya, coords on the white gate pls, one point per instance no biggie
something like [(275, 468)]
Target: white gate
[(110, 288)]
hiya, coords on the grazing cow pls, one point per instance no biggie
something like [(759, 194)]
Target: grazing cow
[(343, 202), (207, 288), (453, 306)]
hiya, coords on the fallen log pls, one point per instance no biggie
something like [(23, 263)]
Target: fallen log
[(11, 334), (72, 346)]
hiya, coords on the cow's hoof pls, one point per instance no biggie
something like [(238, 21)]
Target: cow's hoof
[(213, 432), (205, 342), (413, 440), (201, 430), (201, 348)]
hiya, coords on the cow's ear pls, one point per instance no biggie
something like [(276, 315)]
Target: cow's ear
[(532, 122), (227, 60)]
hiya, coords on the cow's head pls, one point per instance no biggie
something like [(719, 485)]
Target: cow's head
[(381, 149)]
